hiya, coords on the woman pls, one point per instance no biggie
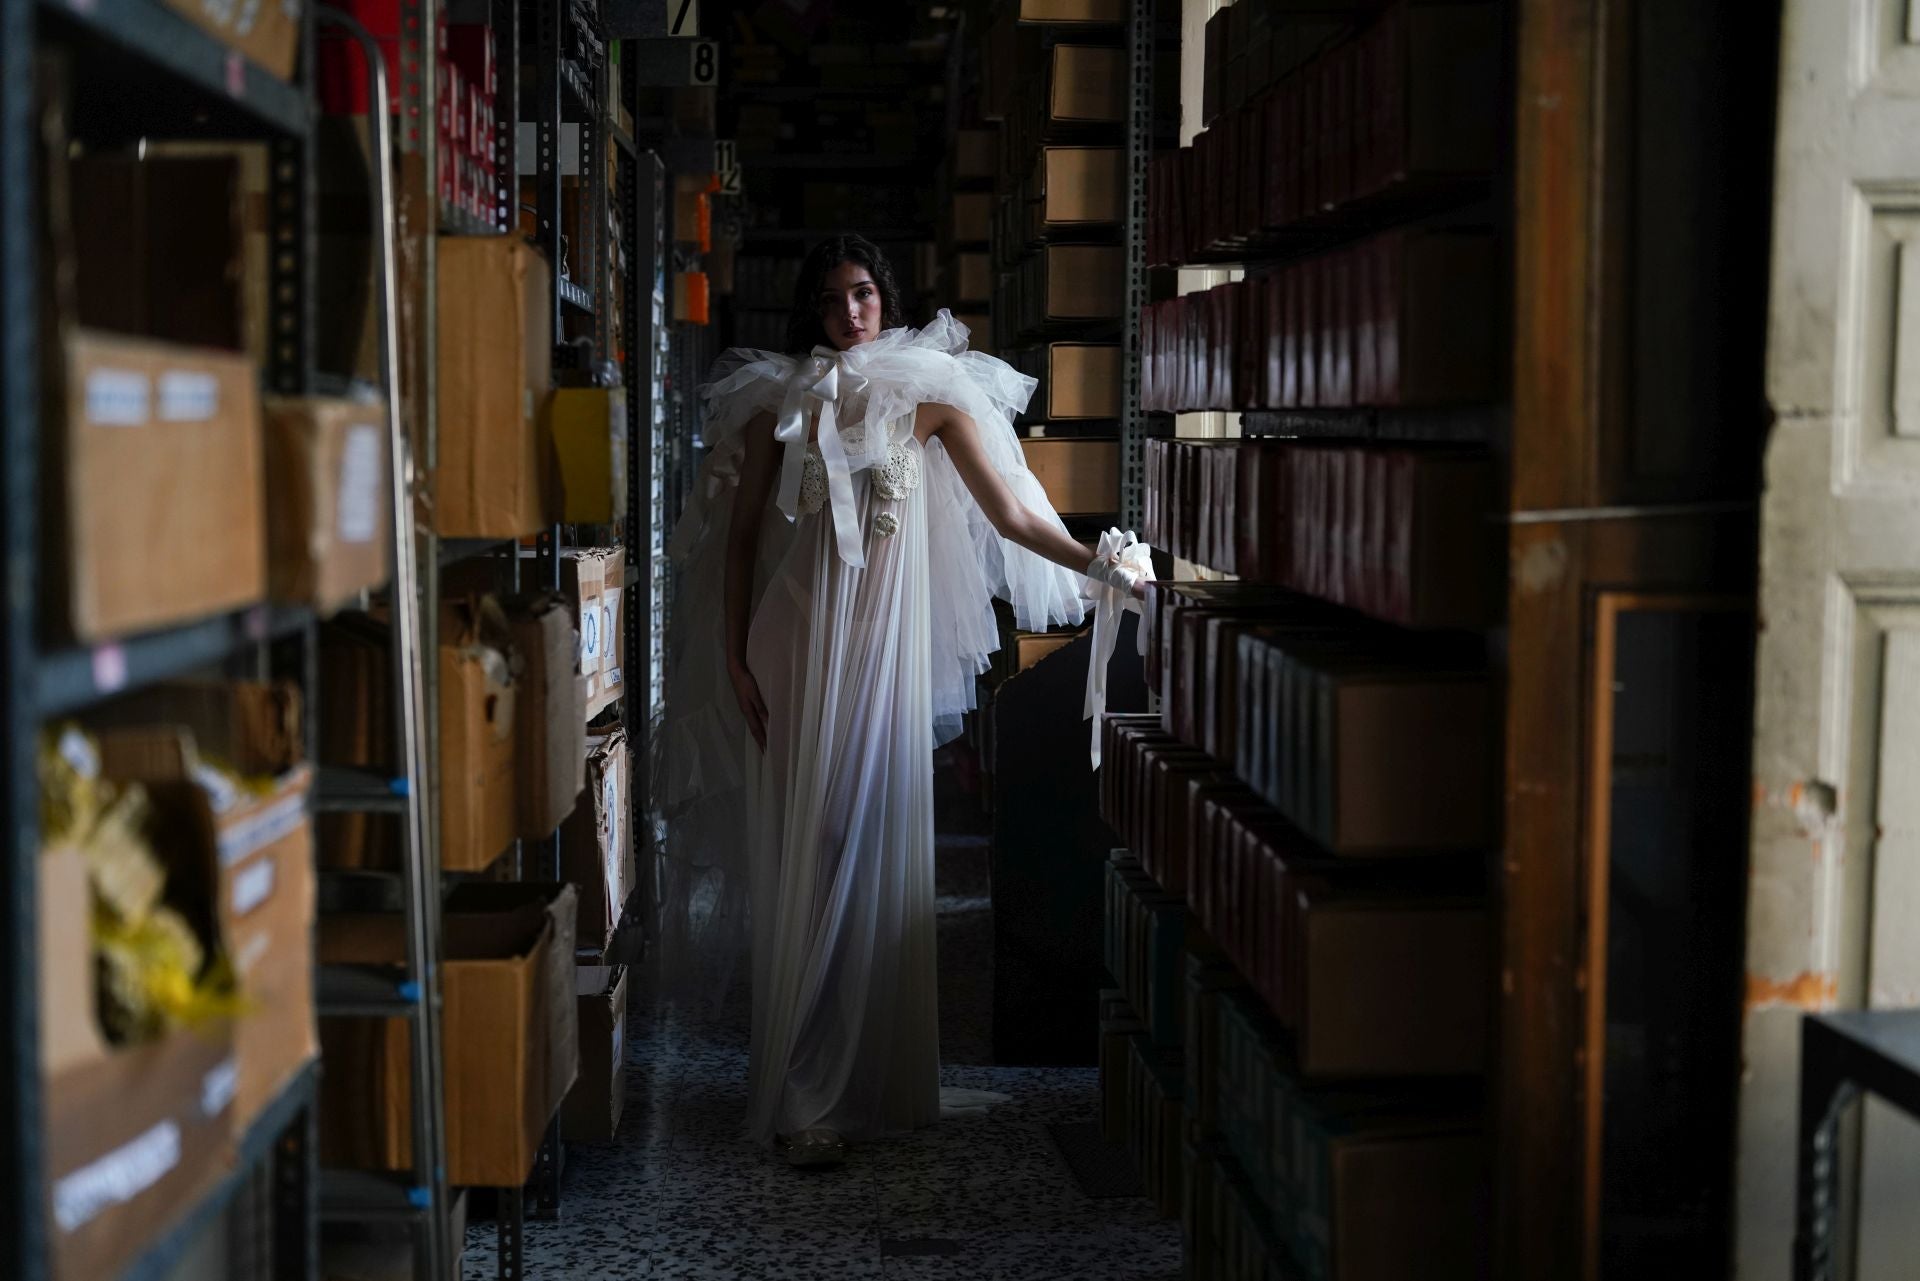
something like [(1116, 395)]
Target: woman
[(853, 621)]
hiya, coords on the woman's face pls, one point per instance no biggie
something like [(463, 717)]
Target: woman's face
[(850, 306)]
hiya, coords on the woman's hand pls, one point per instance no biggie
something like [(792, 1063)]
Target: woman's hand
[(1139, 589), (752, 706)]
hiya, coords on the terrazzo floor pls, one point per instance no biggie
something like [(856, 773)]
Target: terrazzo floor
[(981, 1199)]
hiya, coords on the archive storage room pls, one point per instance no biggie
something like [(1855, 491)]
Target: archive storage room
[(1008, 640)]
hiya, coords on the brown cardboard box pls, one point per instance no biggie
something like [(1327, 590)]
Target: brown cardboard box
[(1089, 85), (979, 330), (974, 153), (606, 686), (330, 528), (1081, 477), (582, 578), (477, 709), (267, 33), (550, 706), (1030, 647), (972, 277), (1083, 380), (593, 1106), (1085, 282), (1101, 11), (264, 835), (596, 844), (157, 454), (509, 1036), (495, 358), (972, 217), (1080, 185)]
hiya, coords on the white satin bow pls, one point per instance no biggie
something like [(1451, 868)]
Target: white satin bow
[(1127, 551), (823, 376)]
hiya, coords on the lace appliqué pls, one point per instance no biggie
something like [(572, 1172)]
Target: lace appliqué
[(813, 482), (894, 479), (899, 475), (886, 525)]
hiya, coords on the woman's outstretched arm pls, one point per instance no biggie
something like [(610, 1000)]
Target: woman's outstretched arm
[(757, 472), (1012, 519)]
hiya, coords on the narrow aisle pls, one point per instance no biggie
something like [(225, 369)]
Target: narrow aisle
[(978, 1199)]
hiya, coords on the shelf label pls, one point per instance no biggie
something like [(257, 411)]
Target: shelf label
[(116, 1178), (109, 669), (359, 512), (236, 74), (188, 396), (726, 163), (683, 17), (118, 398)]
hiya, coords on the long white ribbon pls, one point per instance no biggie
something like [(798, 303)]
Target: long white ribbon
[(819, 378), (1127, 551)]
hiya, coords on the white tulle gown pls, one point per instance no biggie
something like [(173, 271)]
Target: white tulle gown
[(872, 618)]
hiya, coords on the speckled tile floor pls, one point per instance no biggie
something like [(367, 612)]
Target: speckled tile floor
[(980, 1199)]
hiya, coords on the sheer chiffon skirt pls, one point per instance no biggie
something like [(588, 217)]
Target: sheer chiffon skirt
[(840, 836)]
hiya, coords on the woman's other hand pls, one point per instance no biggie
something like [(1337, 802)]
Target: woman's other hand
[(752, 706)]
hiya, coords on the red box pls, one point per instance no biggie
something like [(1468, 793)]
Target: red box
[(344, 81), (470, 46)]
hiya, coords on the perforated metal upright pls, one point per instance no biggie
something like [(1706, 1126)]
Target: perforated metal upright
[(1141, 41)]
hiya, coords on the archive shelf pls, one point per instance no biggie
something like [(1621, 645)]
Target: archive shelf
[(73, 677)]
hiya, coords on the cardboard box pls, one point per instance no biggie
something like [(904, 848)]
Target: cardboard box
[(478, 696), (593, 1107), (496, 366), (1030, 647), (972, 217), (264, 882), (979, 330), (590, 439), (596, 843), (509, 1036), (1081, 477), (974, 153), (1101, 11), (140, 428), (330, 526), (583, 572), (267, 33), (549, 709), (972, 277), (1083, 380), (605, 688), (1077, 186), (1089, 85), (1084, 282)]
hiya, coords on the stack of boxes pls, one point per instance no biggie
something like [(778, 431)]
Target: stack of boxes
[(471, 59)]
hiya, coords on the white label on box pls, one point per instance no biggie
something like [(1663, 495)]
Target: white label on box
[(258, 831), (589, 633), (251, 952), (116, 1178), (188, 396), (359, 514), (610, 806), (218, 1088), (76, 749), (222, 792), (613, 677), (253, 887), (118, 398)]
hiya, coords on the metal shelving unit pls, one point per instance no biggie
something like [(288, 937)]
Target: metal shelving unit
[(141, 66)]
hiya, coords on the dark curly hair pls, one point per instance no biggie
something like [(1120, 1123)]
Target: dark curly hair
[(804, 330)]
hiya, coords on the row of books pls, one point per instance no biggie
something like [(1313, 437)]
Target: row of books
[(1399, 533), (1412, 103), (1374, 742), (1404, 320), (1373, 968), (1346, 1182), (1143, 1094)]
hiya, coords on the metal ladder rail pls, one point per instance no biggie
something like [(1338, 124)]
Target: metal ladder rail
[(423, 1204)]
